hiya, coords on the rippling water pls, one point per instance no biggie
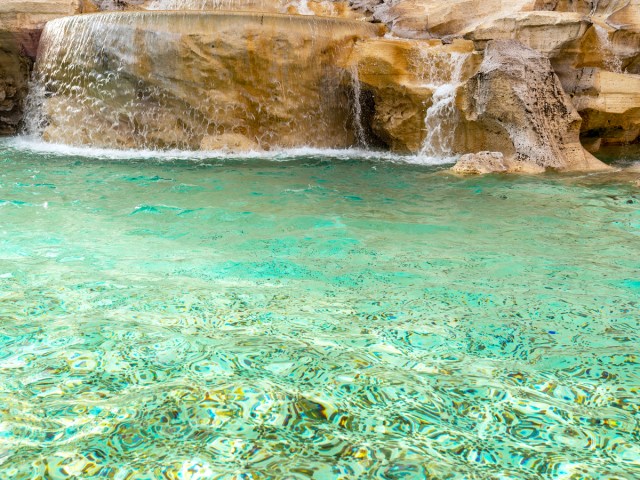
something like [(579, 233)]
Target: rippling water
[(319, 318)]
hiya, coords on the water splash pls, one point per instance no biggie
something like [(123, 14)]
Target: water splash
[(442, 73)]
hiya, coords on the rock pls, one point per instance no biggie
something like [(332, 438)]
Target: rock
[(21, 22), (491, 162), (609, 104), (401, 76), (547, 32), (480, 163), (440, 18), (190, 79), (591, 145), (515, 105)]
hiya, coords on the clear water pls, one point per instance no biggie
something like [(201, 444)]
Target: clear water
[(318, 318)]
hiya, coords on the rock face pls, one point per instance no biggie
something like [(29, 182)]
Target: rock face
[(400, 78), (195, 80), (609, 104), (468, 76), (21, 22), (515, 104)]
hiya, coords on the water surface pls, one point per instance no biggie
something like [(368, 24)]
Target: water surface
[(314, 318)]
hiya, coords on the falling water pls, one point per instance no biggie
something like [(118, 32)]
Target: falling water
[(193, 80), (442, 73), (610, 60), (357, 107)]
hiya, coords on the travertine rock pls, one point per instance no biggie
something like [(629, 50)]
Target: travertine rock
[(440, 18), (189, 79), (480, 163), (401, 76), (21, 22), (609, 104), (515, 105)]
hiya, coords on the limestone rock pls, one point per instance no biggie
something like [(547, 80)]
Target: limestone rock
[(515, 105), (401, 77), (609, 104), (21, 22), (189, 79), (491, 162), (480, 163), (440, 18)]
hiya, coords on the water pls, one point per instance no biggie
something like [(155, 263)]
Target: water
[(191, 80), (320, 317), (442, 73)]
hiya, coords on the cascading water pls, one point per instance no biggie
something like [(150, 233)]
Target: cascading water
[(193, 80), (357, 108), (442, 73)]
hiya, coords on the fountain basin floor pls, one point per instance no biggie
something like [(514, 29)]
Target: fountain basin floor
[(316, 318)]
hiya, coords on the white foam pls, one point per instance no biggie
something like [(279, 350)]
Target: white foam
[(36, 145)]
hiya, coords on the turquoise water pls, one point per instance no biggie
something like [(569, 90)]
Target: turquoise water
[(316, 318)]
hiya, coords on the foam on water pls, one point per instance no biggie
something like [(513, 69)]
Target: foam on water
[(37, 145)]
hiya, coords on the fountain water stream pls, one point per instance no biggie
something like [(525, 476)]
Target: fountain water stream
[(442, 73), (195, 80)]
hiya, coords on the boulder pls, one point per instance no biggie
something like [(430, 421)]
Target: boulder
[(515, 105), (491, 162)]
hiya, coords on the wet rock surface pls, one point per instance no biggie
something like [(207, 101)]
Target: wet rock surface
[(390, 96)]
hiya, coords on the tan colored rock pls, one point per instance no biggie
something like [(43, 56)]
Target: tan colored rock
[(401, 76), (480, 163), (609, 104), (441, 18), (547, 32), (190, 79), (21, 22), (515, 105), (491, 162)]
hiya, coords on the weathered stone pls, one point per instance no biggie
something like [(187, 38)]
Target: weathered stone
[(480, 163), (401, 75), (182, 79), (609, 104), (21, 22), (515, 105)]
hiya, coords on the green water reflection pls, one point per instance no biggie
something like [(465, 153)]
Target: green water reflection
[(315, 318)]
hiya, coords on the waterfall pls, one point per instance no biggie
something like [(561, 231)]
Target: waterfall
[(441, 73), (195, 80), (611, 61), (357, 107)]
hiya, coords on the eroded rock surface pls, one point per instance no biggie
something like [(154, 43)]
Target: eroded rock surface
[(187, 80), (515, 105), (21, 23)]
